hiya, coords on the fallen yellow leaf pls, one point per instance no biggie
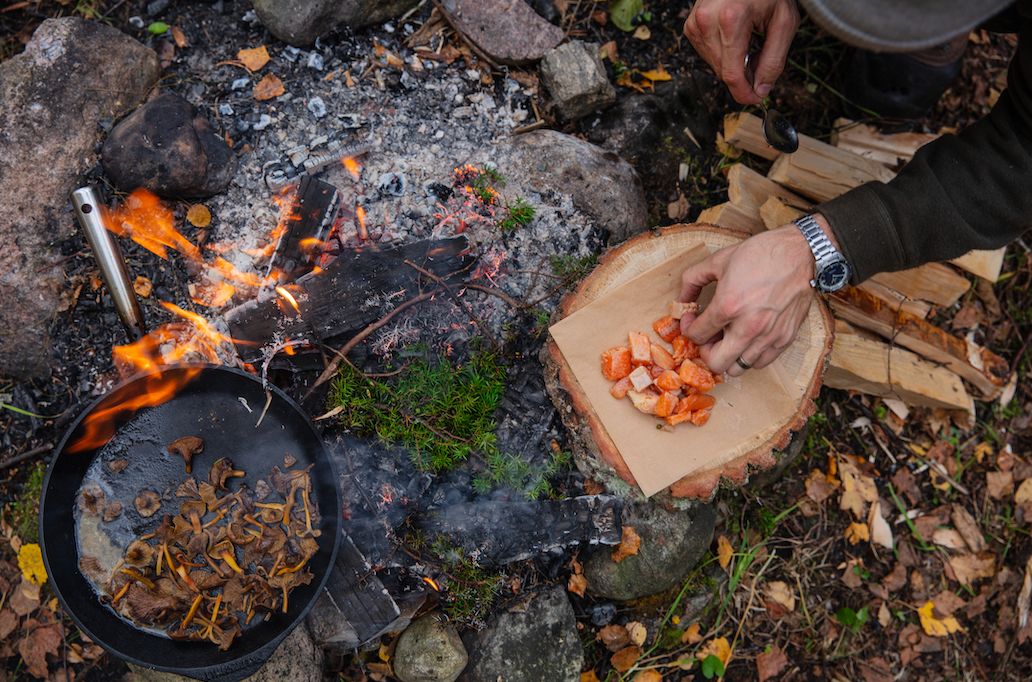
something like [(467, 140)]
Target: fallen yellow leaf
[(199, 215), (630, 543), (691, 634), (779, 592), (724, 551), (718, 647), (589, 676), (856, 533), (981, 450), (657, 75), (937, 627), (254, 58), (30, 561), (268, 87), (384, 653)]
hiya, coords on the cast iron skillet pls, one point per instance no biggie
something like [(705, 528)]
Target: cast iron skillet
[(209, 407)]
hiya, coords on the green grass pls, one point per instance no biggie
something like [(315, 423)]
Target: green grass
[(505, 470), (472, 589), (518, 214), (24, 509), (442, 412), (573, 268)]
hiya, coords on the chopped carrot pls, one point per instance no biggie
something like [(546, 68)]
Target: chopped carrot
[(698, 401), (620, 388), (656, 371), (669, 381), (662, 357), (700, 417), (684, 348), (683, 406), (641, 348), (616, 363), (666, 404), (667, 328), (695, 376), (678, 418)]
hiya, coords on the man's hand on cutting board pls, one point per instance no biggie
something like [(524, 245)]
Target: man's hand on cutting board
[(720, 31), (762, 296)]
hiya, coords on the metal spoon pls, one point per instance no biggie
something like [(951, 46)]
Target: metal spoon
[(777, 129)]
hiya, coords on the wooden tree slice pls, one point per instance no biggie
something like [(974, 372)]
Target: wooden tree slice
[(595, 454)]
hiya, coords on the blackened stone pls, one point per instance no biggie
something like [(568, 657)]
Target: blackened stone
[(300, 23), (533, 642), (429, 651), (602, 185), (73, 75), (166, 147), (672, 542), (576, 79)]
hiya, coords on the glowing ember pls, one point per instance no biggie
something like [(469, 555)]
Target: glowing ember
[(353, 166), (288, 297), (386, 495), (360, 214)]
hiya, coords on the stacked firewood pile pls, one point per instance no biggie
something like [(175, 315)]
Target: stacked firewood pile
[(885, 344)]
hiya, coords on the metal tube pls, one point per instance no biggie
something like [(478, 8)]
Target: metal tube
[(112, 267)]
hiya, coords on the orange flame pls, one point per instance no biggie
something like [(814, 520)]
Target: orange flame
[(149, 223), (289, 298), (432, 583), (353, 166), (363, 233)]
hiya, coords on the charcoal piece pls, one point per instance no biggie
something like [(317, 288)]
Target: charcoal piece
[(501, 532), (168, 148), (354, 607), (317, 205), (343, 297)]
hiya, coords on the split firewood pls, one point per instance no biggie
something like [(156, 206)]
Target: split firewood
[(822, 172), (982, 368), (748, 190), (984, 264), (874, 367), (889, 149), (729, 215), (745, 132)]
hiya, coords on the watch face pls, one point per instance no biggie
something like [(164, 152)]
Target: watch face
[(833, 276)]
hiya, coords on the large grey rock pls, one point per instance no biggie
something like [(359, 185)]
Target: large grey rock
[(534, 642), (73, 75), (296, 659), (672, 542), (576, 79), (507, 31), (601, 184), (300, 23), (167, 147), (429, 651)]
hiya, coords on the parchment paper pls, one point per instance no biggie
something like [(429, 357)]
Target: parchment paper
[(746, 406)]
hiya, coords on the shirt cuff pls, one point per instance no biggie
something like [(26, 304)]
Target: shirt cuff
[(865, 232)]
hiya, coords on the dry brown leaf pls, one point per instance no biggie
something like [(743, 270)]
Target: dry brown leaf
[(779, 592), (971, 567), (818, 488), (8, 622), (142, 286), (179, 37), (981, 450), (637, 632), (642, 32), (1024, 492), (896, 579), (199, 215), (691, 634), (25, 598), (950, 539), (947, 603), (999, 484), (589, 676), (624, 659), (884, 616), (1024, 598), (614, 637), (881, 533), (857, 488), (968, 528), (648, 676), (857, 533), (630, 542), (905, 483), (608, 51), (40, 641), (724, 551), (769, 664), (254, 59), (268, 87), (577, 584)]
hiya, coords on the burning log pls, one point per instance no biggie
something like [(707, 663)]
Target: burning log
[(336, 300), (500, 532)]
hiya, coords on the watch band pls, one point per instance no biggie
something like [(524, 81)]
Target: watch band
[(821, 247)]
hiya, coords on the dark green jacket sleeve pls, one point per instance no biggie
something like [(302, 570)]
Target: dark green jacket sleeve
[(960, 192)]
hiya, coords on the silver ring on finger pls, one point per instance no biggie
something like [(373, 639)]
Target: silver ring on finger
[(742, 363)]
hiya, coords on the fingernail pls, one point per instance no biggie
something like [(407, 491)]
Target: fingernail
[(763, 89)]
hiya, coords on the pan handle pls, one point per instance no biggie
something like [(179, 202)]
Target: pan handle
[(109, 259)]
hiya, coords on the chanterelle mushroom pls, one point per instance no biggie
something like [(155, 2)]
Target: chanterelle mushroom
[(221, 471), (186, 447), (147, 503), (139, 553)]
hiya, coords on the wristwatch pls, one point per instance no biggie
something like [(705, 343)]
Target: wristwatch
[(831, 271)]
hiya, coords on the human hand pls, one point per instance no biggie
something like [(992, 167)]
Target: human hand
[(720, 31), (762, 297)]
